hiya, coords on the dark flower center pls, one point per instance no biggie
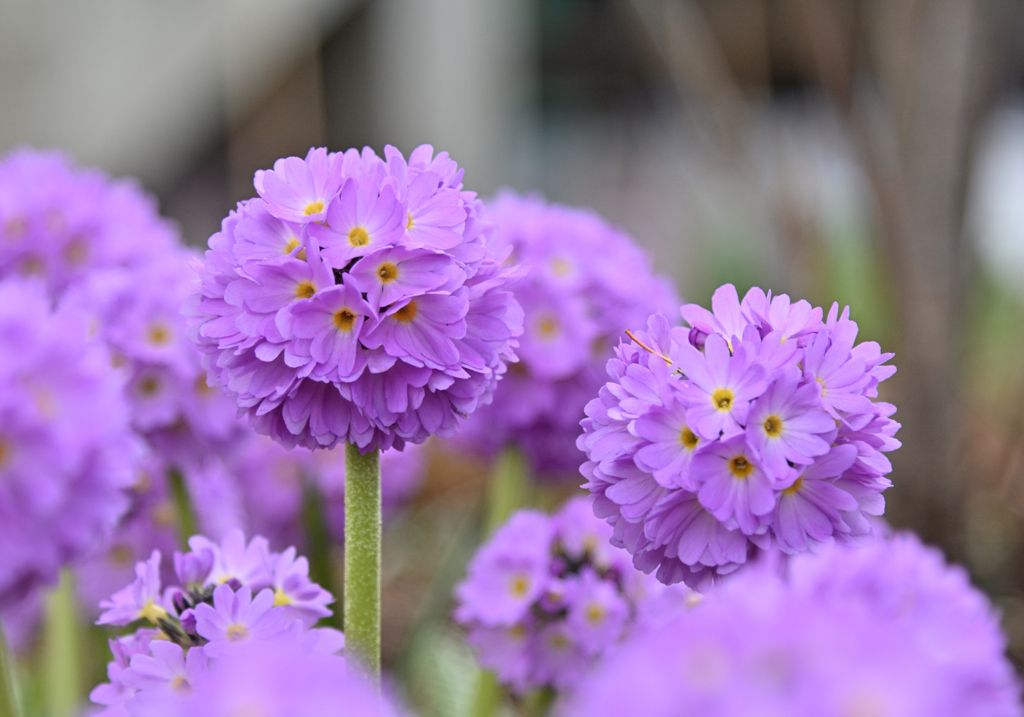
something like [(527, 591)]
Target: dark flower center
[(407, 313), (387, 272), (344, 320), (740, 466)]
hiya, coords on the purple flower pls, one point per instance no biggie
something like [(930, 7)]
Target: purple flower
[(61, 222), (364, 217), (721, 384), (547, 597), (295, 592), (234, 559), (66, 449), (140, 600), (886, 629), (206, 630), (297, 190), (756, 427), (585, 283), (237, 617), (332, 321), (732, 485), (509, 573), (787, 424), (289, 337)]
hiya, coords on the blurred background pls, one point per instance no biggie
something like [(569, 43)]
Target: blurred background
[(869, 152)]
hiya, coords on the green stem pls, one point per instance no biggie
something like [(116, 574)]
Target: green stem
[(489, 695), (62, 650), (362, 557), (8, 700), (509, 489), (183, 506)]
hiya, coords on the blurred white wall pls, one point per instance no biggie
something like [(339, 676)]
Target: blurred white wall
[(143, 87), (457, 74)]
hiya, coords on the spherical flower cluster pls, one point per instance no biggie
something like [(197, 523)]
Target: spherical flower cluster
[(60, 222), (66, 449), (586, 283), (888, 629), (754, 427), (356, 299), (546, 597), (233, 602), (272, 482)]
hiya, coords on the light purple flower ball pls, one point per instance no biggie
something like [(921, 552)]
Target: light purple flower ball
[(586, 282), (547, 596), (66, 449), (887, 629), (231, 603), (756, 427), (357, 299), (61, 222)]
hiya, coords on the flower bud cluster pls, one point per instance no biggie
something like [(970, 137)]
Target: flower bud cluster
[(232, 601), (548, 596)]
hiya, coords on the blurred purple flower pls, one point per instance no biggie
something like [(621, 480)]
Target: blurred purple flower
[(883, 630), (66, 449), (547, 596), (586, 282)]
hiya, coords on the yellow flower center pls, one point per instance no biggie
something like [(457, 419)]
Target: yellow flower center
[(519, 586), (387, 272), (77, 251), (547, 327), (152, 612), (558, 641), (202, 387), (158, 334), (410, 224), (344, 320), (121, 555), (165, 515), (5, 451), (722, 398), (32, 266), (561, 266), (797, 485), (181, 685), (290, 246), (304, 290), (407, 313), (358, 237), (236, 633), (280, 598), (822, 384), (688, 438), (740, 466), (595, 613), (313, 208), (149, 386), (772, 426)]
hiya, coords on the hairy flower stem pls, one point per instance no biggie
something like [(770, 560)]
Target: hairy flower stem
[(8, 700), (362, 557), (62, 650)]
